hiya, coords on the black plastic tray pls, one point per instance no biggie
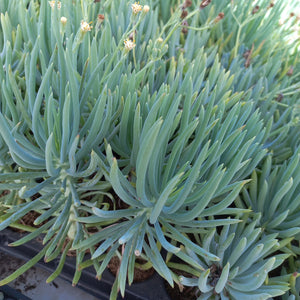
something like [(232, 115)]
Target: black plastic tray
[(150, 289), (12, 294)]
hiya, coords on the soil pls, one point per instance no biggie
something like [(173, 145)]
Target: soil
[(119, 203), (139, 275), (181, 293), (28, 220)]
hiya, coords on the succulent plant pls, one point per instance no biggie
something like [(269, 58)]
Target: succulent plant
[(167, 180), (274, 194), (129, 128), (247, 257)]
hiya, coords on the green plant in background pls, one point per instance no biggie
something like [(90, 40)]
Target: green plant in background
[(274, 194), (130, 127)]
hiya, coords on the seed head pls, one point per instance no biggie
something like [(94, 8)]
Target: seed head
[(52, 4), (101, 18), (187, 3), (184, 29), (255, 10), (220, 16), (136, 8), (183, 14), (85, 26), (279, 97), (132, 35), (129, 45), (290, 71), (204, 3)]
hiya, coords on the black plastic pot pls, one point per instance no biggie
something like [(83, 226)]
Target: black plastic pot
[(12, 294), (150, 289)]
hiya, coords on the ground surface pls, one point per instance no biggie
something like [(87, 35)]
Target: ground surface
[(33, 283)]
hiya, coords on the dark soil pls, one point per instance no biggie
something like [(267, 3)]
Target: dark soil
[(181, 292), (28, 220), (139, 275)]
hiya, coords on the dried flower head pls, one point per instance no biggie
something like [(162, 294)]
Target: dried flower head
[(132, 35), (248, 55), (129, 45), (146, 8), (52, 4), (220, 16), (85, 26), (204, 3), (187, 3), (184, 29), (101, 18), (290, 71), (255, 10), (183, 14), (136, 8), (279, 97)]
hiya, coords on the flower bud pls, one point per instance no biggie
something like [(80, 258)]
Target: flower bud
[(63, 20), (146, 8)]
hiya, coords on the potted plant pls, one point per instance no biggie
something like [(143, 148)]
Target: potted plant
[(149, 135)]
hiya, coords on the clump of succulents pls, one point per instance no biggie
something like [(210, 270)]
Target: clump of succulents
[(247, 256), (274, 193), (129, 128)]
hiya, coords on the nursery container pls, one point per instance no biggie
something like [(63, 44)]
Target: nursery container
[(150, 289)]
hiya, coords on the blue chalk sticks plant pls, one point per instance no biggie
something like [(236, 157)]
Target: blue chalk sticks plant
[(163, 134)]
